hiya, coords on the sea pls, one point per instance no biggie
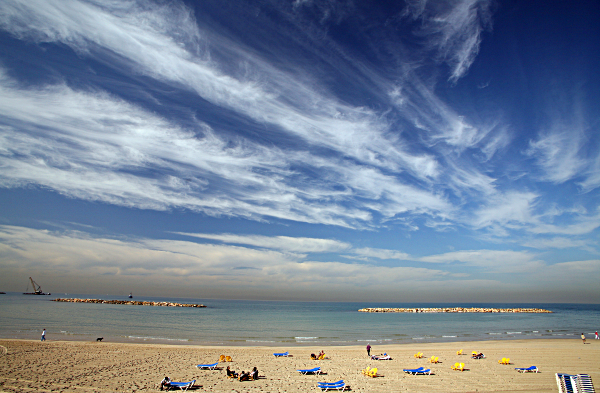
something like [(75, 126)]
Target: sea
[(281, 323)]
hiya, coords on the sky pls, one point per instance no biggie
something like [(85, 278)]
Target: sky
[(418, 151)]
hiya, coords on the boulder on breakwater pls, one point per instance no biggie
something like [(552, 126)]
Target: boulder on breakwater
[(458, 309), (129, 302)]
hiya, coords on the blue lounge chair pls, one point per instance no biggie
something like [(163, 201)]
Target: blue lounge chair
[(423, 372), (282, 354), (339, 385), (532, 369), (207, 366), (331, 383), (413, 370), (181, 385), (316, 370)]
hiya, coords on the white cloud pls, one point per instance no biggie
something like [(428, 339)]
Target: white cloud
[(556, 242), (557, 153), (490, 260), (381, 253), (162, 261), (508, 208), (284, 243), (148, 40), (454, 29)]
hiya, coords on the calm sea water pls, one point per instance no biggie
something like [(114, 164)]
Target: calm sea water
[(227, 322)]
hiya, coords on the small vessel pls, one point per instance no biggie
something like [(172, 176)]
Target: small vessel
[(130, 295), (37, 289)]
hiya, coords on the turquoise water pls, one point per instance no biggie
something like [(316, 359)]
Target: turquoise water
[(228, 322)]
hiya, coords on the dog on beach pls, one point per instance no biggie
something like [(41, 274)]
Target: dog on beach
[(100, 339)]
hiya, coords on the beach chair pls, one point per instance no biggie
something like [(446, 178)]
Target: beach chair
[(325, 386), (221, 358), (434, 359), (504, 361), (458, 367), (580, 383), (366, 370), (207, 366), (281, 354), (422, 372), (531, 369), (459, 352), (418, 355), (228, 359), (316, 370), (412, 370), (181, 385), (321, 357), (372, 373)]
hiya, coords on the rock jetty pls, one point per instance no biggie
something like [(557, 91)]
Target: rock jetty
[(129, 302), (458, 309)]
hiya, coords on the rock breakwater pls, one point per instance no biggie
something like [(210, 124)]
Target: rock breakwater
[(458, 309), (129, 302)]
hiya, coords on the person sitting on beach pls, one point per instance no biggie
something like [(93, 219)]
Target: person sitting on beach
[(244, 376), (165, 383), (231, 373), (254, 374), (313, 356)]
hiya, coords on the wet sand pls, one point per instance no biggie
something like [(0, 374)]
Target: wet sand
[(27, 365)]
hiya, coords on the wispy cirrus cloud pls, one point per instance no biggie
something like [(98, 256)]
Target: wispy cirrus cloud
[(453, 29), (95, 146), (153, 46), (557, 153), (284, 243), (381, 253), (505, 261), (557, 242)]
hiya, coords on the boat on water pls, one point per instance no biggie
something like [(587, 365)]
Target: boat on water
[(130, 295), (37, 289)]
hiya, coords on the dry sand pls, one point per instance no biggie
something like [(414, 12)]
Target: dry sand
[(107, 367)]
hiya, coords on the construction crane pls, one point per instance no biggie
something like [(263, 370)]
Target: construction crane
[(37, 289)]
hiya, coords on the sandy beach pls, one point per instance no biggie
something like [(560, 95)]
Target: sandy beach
[(107, 367)]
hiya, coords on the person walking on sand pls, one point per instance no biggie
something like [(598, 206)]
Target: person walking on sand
[(583, 337), (368, 349), (43, 335)]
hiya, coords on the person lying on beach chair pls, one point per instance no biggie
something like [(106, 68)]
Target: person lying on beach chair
[(244, 376), (385, 356), (477, 355), (321, 355), (231, 373), (313, 356), (254, 374)]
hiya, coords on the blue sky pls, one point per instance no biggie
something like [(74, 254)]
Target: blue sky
[(306, 150)]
